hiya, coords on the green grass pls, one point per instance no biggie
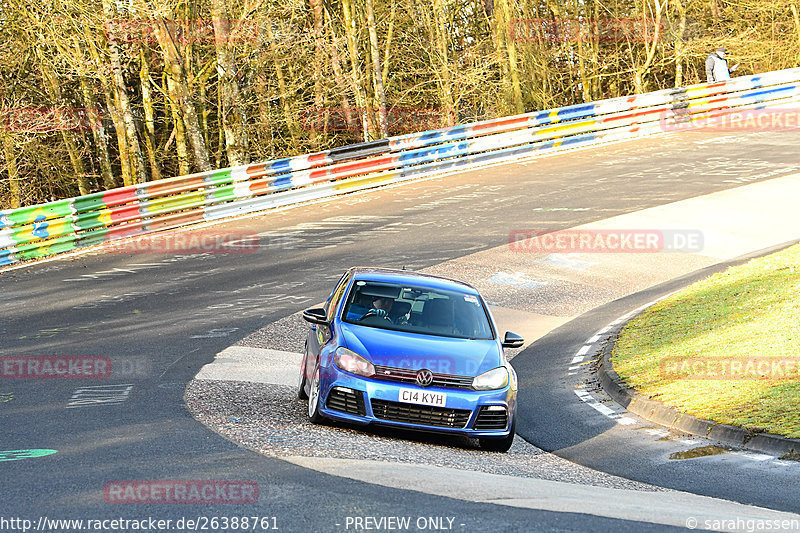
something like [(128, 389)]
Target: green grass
[(751, 310)]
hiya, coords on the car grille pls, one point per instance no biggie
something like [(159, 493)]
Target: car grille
[(347, 401), (420, 414), (405, 375), (491, 417)]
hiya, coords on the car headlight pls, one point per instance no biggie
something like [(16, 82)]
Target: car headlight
[(494, 379), (350, 361)]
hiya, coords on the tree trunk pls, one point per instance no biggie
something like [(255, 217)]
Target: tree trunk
[(584, 44), (174, 65), (796, 18), (179, 132), (10, 152), (680, 46), (291, 122), (53, 89), (387, 50), (499, 36), (715, 11), (377, 76), (319, 57), (503, 10), (99, 134), (112, 104), (149, 121), (355, 65), (445, 74), (338, 76), (265, 110), (650, 46), (137, 161)]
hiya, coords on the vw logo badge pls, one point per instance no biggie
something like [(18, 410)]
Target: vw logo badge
[(424, 377)]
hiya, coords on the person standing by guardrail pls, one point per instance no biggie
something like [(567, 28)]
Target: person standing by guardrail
[(717, 66)]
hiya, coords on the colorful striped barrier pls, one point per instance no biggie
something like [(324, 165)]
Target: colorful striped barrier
[(41, 230)]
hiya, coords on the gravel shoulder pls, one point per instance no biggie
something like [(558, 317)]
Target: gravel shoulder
[(269, 419)]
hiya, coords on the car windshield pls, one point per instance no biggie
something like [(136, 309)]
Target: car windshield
[(404, 307)]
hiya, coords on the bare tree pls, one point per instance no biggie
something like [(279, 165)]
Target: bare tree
[(121, 93), (165, 32), (233, 114), (377, 73)]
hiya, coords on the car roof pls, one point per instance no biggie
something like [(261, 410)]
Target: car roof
[(419, 279)]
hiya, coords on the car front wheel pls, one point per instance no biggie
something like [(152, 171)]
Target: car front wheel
[(313, 398), (499, 445)]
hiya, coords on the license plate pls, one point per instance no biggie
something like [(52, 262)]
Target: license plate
[(437, 399)]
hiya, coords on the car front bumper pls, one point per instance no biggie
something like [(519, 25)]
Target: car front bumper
[(351, 398)]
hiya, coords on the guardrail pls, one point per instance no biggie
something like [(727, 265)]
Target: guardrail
[(64, 225)]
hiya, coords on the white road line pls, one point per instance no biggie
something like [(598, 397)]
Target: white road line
[(100, 395), (579, 356), (757, 456), (589, 400)]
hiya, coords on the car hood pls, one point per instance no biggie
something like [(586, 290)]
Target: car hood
[(443, 355)]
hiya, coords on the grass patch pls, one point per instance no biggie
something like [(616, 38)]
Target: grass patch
[(692, 350)]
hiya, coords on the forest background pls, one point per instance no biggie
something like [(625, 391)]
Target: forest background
[(96, 94)]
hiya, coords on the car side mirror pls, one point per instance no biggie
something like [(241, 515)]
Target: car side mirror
[(315, 315), (512, 340)]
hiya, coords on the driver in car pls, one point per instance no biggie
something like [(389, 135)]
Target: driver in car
[(381, 307)]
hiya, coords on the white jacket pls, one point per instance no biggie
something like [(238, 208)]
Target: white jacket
[(717, 68)]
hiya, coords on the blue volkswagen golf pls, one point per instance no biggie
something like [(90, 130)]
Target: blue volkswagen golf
[(413, 351)]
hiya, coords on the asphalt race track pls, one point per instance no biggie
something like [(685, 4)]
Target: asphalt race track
[(159, 317)]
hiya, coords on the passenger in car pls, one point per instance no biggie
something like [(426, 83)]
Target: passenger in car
[(399, 312), (437, 316)]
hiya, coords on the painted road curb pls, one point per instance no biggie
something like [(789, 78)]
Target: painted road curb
[(662, 414)]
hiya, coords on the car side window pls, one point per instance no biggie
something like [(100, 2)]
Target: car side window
[(336, 295)]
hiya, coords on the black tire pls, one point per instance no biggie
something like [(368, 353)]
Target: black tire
[(314, 415), (301, 386), (500, 445)]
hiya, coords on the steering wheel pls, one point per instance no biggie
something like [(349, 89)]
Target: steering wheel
[(373, 312)]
